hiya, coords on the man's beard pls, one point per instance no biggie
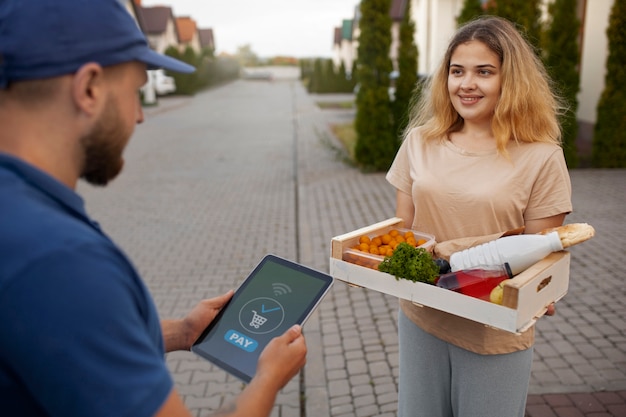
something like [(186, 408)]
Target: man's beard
[(103, 148)]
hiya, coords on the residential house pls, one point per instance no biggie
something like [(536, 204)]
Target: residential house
[(594, 52), (188, 34), (336, 55), (397, 12), (206, 39), (435, 23), (343, 47), (159, 26), (346, 49)]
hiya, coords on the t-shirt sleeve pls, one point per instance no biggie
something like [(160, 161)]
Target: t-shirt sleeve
[(399, 174), (75, 332), (552, 191)]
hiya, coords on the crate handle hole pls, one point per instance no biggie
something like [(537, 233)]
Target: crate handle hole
[(544, 283)]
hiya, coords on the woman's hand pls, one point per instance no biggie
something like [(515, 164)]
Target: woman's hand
[(180, 334)]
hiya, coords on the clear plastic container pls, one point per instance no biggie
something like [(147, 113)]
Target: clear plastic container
[(371, 260), (477, 282)]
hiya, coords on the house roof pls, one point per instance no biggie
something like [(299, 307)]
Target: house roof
[(398, 7), (346, 29), (337, 38), (154, 19), (206, 38), (186, 28)]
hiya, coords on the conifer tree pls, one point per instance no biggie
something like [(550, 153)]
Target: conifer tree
[(526, 13), (406, 83), (609, 139), (343, 84), (315, 85), (353, 76), (561, 60), (329, 82), (471, 10), (376, 144), (186, 84)]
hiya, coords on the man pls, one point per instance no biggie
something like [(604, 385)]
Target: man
[(79, 333)]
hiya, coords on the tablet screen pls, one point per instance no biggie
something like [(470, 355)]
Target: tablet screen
[(275, 296)]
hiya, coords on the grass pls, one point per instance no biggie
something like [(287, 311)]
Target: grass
[(346, 135), (335, 104)]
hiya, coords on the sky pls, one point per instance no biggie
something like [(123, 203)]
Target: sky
[(299, 28)]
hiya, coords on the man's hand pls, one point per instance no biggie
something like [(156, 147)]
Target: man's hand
[(180, 334)]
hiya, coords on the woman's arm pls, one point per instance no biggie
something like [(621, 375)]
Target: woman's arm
[(405, 208), (536, 226)]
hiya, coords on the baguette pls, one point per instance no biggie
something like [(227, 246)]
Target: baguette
[(572, 234)]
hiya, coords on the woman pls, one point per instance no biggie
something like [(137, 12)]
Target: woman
[(481, 155)]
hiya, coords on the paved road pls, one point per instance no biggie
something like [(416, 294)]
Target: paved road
[(215, 182)]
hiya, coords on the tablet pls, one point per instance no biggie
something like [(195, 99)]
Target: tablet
[(276, 295)]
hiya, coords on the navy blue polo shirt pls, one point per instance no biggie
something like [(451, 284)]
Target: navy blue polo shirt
[(79, 332)]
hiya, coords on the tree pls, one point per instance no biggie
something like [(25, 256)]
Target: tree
[(376, 144), (525, 13), (186, 84), (344, 85), (246, 56), (330, 77), (561, 59), (471, 9), (406, 84), (609, 138), (315, 84)]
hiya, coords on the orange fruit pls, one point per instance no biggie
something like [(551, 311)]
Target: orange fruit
[(400, 239), (393, 233), (364, 247), (377, 241), (420, 242), (411, 241), (386, 238), (364, 239), (408, 235)]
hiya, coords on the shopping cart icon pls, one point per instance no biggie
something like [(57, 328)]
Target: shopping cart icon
[(257, 320)]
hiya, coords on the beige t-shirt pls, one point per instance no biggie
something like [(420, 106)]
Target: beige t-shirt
[(460, 194)]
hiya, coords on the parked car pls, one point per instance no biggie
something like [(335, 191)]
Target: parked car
[(256, 74), (162, 84)]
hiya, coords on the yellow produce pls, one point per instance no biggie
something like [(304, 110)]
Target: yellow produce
[(496, 294)]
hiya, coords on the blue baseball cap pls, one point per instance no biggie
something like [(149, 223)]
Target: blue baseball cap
[(49, 38)]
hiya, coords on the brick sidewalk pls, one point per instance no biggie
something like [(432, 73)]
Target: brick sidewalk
[(595, 404)]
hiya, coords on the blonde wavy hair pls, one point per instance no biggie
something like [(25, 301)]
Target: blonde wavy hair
[(528, 108)]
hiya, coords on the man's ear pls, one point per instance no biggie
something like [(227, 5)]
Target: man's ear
[(88, 88)]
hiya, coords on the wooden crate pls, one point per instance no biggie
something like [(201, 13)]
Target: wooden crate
[(525, 297)]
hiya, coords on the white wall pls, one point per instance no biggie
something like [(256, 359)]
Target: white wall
[(593, 59), (435, 23)]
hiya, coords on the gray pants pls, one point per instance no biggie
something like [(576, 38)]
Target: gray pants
[(438, 379)]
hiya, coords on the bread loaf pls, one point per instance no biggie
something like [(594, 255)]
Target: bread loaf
[(572, 234)]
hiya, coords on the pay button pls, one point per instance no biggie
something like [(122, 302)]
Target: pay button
[(241, 341)]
